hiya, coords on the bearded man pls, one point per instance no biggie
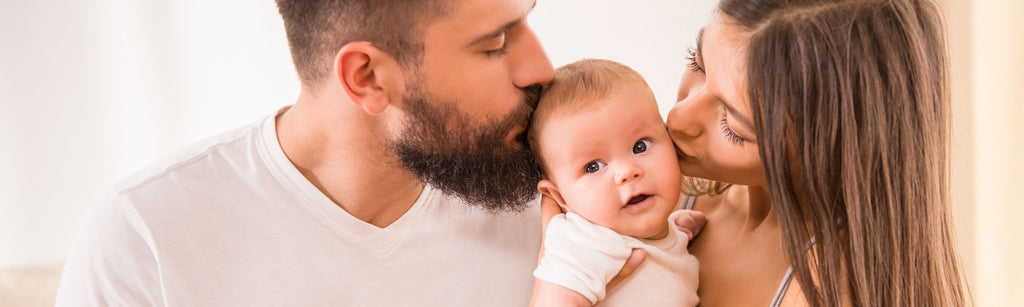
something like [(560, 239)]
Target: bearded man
[(398, 178)]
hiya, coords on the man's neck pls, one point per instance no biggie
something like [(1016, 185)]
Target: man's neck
[(342, 150)]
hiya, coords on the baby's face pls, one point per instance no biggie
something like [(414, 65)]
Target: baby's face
[(615, 165)]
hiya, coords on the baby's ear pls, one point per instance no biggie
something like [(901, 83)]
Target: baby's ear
[(549, 189)]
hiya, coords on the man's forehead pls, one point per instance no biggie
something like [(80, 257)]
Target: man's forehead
[(475, 20)]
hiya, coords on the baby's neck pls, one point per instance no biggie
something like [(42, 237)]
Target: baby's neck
[(661, 234)]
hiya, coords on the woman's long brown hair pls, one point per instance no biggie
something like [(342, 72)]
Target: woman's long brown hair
[(851, 104)]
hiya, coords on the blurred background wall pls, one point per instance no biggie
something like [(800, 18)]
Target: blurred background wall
[(986, 42), (92, 90)]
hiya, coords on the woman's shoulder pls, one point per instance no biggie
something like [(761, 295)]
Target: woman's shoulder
[(794, 296)]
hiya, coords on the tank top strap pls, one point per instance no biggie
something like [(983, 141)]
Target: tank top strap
[(781, 291), (687, 202), (786, 280)]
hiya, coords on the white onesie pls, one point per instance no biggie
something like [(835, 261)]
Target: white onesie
[(583, 257)]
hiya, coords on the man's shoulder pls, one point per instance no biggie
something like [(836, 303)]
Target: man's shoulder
[(196, 153), (204, 167)]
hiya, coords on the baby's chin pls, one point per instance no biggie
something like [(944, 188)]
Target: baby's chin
[(660, 233), (652, 231), (654, 223)]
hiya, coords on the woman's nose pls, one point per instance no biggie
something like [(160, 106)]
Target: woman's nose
[(682, 119)]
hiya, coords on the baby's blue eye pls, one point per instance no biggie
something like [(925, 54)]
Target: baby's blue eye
[(593, 167), (641, 146)]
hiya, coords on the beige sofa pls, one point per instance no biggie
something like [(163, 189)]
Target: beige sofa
[(29, 286)]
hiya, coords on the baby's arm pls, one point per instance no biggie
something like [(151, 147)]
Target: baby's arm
[(688, 221), (581, 256)]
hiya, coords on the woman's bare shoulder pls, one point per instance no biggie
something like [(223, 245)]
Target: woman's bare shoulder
[(794, 296)]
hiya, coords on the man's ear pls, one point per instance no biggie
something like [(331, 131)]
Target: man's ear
[(549, 189), (370, 77)]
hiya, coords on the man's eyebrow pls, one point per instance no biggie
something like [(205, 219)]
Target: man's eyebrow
[(503, 29), (496, 33)]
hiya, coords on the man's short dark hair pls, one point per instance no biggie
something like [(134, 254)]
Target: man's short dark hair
[(317, 29)]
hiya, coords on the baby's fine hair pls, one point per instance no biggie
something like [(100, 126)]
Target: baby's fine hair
[(576, 86)]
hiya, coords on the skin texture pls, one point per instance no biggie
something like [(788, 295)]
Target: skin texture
[(624, 144), (719, 144)]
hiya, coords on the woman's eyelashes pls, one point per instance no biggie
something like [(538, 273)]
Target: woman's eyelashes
[(727, 131), (692, 60)]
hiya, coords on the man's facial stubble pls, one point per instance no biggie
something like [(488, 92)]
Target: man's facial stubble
[(468, 159)]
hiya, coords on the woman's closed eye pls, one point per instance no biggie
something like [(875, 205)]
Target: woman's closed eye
[(692, 60), (727, 131)]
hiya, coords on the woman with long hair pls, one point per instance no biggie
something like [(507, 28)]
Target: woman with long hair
[(816, 138)]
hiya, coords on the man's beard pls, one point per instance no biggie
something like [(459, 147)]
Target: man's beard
[(447, 150)]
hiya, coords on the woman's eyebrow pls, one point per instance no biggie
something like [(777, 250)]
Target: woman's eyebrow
[(700, 40), (728, 106), (736, 114)]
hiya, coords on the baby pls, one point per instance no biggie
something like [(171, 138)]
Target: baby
[(609, 163)]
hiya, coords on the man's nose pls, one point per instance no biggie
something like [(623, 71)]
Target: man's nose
[(531, 65)]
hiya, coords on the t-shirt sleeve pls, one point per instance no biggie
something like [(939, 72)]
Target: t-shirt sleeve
[(581, 256), (111, 262)]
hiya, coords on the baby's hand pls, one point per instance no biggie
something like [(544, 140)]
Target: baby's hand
[(688, 221)]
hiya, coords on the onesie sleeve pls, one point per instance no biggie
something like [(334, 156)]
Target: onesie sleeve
[(581, 256), (111, 263)]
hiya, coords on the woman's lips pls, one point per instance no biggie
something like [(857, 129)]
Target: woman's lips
[(682, 155)]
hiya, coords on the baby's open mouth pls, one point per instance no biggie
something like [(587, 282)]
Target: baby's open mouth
[(637, 199)]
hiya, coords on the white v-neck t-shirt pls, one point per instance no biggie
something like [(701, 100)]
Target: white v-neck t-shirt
[(232, 222)]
